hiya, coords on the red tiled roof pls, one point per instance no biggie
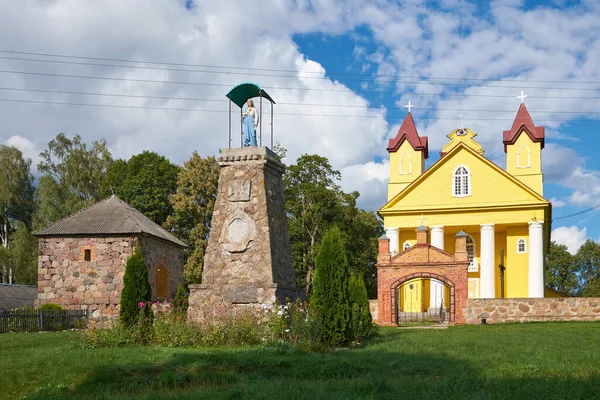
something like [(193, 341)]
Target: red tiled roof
[(523, 123), (408, 131)]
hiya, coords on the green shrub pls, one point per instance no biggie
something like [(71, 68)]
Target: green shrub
[(180, 301), (51, 307), (330, 303), (135, 297), (170, 330), (117, 335), (361, 320)]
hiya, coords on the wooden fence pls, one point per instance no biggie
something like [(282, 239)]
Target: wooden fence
[(41, 320)]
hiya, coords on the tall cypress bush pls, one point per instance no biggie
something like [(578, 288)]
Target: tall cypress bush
[(136, 289), (361, 319), (330, 301)]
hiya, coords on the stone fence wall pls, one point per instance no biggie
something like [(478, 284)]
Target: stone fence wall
[(526, 310)]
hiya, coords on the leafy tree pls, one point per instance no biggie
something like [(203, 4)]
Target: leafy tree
[(330, 300), (561, 269), (23, 254), (145, 182), (312, 196), (193, 204), (314, 203), (588, 262), (71, 178), (136, 289), (360, 230), (361, 319), (16, 199)]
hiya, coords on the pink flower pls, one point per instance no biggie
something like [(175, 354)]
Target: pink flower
[(141, 304), (146, 319)]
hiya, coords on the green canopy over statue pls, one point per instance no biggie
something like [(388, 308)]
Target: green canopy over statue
[(240, 95)]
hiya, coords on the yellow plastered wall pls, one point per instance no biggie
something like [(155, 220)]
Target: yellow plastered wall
[(500, 243), (524, 162), (406, 165), (406, 235), (488, 186), (517, 274)]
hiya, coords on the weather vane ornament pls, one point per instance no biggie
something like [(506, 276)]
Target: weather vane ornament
[(251, 119), (522, 97)]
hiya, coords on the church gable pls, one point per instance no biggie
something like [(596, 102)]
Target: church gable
[(463, 179)]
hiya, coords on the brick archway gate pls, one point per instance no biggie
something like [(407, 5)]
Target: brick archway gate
[(411, 299)]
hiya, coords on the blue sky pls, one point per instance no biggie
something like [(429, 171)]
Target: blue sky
[(340, 72)]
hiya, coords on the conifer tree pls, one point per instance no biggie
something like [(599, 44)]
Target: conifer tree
[(330, 301), (362, 322), (136, 289)]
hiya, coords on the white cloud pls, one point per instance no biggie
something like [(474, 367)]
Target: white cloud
[(502, 53), (571, 236), (27, 147), (370, 180), (556, 203)]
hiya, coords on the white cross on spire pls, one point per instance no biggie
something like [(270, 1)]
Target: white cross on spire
[(422, 220), (522, 97), (462, 116), (409, 106)]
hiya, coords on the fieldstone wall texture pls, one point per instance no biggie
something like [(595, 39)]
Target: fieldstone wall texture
[(526, 310), (248, 256), (158, 253), (67, 279)]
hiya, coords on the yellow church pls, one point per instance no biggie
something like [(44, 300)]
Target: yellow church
[(500, 209)]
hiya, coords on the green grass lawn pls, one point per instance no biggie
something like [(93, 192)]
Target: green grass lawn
[(530, 361)]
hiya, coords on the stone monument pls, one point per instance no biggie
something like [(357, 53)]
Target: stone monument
[(248, 257)]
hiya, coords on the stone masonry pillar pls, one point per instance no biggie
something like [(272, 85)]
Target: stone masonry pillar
[(248, 257), (488, 260), (392, 234), (536, 259)]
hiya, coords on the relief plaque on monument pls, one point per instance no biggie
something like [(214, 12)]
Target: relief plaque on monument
[(238, 232), (239, 190)]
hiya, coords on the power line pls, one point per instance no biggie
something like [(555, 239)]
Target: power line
[(68, 56), (225, 111), (578, 213), (280, 103), (245, 73), (283, 88)]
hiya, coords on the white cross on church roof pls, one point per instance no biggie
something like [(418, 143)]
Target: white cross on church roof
[(409, 106), (522, 97)]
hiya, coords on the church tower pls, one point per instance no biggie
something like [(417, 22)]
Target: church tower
[(408, 152), (523, 145)]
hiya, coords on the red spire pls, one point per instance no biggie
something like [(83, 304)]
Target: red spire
[(523, 123), (408, 131)]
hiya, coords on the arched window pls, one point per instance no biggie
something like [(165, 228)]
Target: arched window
[(406, 246), (405, 164), (521, 246), (523, 157), (461, 182)]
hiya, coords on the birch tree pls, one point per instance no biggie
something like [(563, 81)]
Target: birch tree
[(16, 199)]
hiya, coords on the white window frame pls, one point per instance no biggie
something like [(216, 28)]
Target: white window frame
[(473, 261), (519, 241), (464, 182), (405, 154), (519, 157), (406, 246)]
